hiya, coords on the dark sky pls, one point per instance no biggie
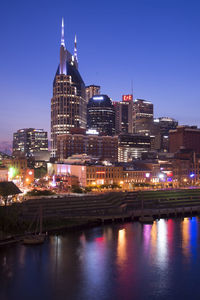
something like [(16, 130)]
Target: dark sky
[(155, 43)]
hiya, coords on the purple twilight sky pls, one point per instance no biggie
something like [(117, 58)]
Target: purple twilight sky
[(152, 42)]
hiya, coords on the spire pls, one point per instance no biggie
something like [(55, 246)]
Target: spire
[(62, 34), (63, 52), (75, 49)]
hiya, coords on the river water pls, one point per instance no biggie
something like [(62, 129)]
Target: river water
[(121, 261)]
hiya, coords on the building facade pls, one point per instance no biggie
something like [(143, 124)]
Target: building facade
[(187, 137), (101, 115), (89, 175), (3, 173), (124, 115), (68, 105), (131, 146), (28, 142), (164, 125), (101, 147), (97, 175), (142, 116), (91, 90)]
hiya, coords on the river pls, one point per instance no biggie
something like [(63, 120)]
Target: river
[(118, 261)]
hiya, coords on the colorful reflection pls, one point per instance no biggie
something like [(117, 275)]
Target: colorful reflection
[(186, 237), (121, 246), (154, 235), (147, 236), (162, 244), (94, 260), (170, 236), (189, 236), (194, 235), (159, 238), (156, 242)]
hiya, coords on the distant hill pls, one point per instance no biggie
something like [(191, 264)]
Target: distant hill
[(6, 147)]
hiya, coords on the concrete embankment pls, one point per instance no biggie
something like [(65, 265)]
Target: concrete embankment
[(76, 212), (112, 203)]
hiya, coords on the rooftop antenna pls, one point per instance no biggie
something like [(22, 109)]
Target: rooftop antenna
[(132, 87)]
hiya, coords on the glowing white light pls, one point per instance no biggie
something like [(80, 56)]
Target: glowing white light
[(98, 98), (162, 246), (156, 120), (53, 181), (92, 131)]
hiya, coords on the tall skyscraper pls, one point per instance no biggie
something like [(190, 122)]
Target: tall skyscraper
[(30, 142), (101, 115), (68, 105), (92, 90), (142, 116), (124, 114)]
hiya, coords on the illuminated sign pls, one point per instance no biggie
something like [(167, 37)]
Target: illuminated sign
[(98, 98), (92, 131), (127, 97), (169, 174)]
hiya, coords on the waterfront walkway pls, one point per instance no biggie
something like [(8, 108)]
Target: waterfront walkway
[(116, 204)]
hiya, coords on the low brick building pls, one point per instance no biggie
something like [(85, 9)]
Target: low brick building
[(187, 137)]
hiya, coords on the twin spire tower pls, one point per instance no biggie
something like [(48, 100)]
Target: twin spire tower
[(64, 54), (68, 104), (63, 39)]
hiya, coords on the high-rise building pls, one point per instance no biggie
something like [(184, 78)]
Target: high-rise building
[(165, 124), (91, 90), (142, 116), (101, 115), (116, 105), (68, 105), (142, 109), (28, 142), (124, 114)]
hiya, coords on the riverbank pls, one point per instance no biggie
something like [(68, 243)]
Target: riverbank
[(71, 212)]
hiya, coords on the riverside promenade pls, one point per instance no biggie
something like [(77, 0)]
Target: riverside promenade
[(115, 205), (67, 212)]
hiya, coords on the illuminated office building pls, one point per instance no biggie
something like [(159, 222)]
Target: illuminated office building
[(131, 146), (101, 115), (165, 124), (29, 142), (68, 105), (124, 114), (142, 116)]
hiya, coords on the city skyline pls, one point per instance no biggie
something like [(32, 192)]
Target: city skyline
[(111, 60)]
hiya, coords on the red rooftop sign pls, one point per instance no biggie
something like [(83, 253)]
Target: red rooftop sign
[(127, 97)]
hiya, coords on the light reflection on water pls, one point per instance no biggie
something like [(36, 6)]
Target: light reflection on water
[(121, 247), (130, 261)]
